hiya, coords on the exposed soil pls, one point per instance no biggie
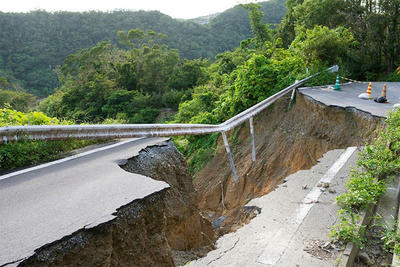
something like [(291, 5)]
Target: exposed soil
[(163, 229), (189, 235), (373, 254), (322, 250), (286, 141), (136, 237)]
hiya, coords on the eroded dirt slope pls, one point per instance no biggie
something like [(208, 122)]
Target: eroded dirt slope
[(286, 141), (163, 229), (189, 235)]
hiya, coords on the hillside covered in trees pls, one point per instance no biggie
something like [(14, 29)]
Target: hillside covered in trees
[(33, 44), (375, 26), (135, 75)]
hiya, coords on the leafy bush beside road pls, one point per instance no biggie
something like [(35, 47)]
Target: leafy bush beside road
[(377, 162), (27, 153)]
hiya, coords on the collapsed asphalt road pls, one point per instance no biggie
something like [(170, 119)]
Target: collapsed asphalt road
[(43, 204)]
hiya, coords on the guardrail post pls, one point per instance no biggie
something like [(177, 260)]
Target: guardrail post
[(228, 151), (253, 145), (292, 97)]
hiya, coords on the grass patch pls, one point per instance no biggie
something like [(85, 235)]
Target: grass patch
[(28, 153), (198, 150)]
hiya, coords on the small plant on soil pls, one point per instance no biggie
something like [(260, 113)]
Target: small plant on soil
[(376, 163), (391, 239), (348, 229), (362, 189)]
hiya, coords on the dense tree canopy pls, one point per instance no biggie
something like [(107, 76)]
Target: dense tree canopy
[(127, 84), (375, 26), (33, 44), (16, 100), (321, 45)]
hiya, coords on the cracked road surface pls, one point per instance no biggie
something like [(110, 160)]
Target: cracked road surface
[(348, 97), (293, 216), (43, 205)]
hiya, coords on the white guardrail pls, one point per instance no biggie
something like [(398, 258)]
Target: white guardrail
[(60, 132)]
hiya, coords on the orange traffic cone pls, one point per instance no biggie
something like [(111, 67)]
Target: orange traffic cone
[(367, 95), (384, 91), (369, 90), (382, 98)]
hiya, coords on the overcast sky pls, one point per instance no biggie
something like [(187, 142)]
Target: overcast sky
[(175, 8)]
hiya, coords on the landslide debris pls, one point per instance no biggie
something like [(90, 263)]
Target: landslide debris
[(189, 234), (287, 140), (163, 229)]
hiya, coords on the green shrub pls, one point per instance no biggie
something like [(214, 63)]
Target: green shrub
[(362, 189), (261, 77), (200, 149), (227, 94), (172, 99), (322, 79), (391, 239), (378, 161), (200, 158), (348, 229), (203, 100), (146, 115), (10, 117), (16, 100), (393, 77), (26, 153)]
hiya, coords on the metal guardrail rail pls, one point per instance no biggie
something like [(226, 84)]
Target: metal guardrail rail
[(60, 132)]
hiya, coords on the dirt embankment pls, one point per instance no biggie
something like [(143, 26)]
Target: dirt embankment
[(164, 229), (189, 235), (286, 141)]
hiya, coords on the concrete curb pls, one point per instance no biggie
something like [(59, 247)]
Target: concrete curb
[(351, 250), (396, 257)]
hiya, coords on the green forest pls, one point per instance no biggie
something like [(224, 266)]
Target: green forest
[(33, 44), (139, 74)]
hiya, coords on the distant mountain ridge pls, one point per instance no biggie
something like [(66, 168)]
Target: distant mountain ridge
[(33, 44), (205, 19)]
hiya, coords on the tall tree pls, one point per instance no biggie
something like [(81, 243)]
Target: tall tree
[(261, 31), (374, 24)]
